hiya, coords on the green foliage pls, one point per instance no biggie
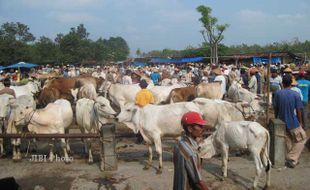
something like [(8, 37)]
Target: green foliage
[(16, 44)]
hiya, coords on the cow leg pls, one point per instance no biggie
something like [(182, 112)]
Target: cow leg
[(1, 147), (67, 141), (159, 150), (90, 154), (14, 153), (64, 147), (224, 159), (149, 163), (258, 167), (51, 155)]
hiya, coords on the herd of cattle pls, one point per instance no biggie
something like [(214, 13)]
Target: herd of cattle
[(53, 105)]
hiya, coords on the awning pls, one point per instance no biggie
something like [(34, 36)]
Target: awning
[(21, 65), (176, 60)]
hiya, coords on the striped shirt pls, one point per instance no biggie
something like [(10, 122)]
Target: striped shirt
[(187, 165)]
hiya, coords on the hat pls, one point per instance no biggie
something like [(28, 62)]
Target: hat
[(302, 73), (288, 70), (294, 82), (191, 118), (217, 71)]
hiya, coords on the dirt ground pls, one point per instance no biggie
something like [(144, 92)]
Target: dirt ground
[(130, 175)]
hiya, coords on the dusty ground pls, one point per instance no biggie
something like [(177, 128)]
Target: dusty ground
[(130, 174)]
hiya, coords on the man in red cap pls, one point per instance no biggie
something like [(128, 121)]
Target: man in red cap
[(187, 163)]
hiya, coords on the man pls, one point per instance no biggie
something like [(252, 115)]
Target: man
[(253, 81), (304, 86), (143, 97), (187, 164), (7, 89), (285, 103), (155, 76), (220, 78)]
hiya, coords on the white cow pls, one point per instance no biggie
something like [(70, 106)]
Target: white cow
[(85, 91), (241, 135), (155, 121), (4, 112), (120, 94), (217, 111), (91, 115), (54, 118), (253, 103), (31, 88)]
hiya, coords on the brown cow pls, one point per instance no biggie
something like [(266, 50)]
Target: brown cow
[(61, 88), (206, 90)]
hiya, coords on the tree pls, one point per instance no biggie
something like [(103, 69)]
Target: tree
[(138, 52), (14, 39), (212, 32)]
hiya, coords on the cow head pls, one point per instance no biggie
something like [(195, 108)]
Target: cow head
[(207, 148), (20, 114), (103, 107), (129, 116), (5, 100)]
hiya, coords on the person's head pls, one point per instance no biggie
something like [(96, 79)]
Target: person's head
[(287, 80), (302, 73), (274, 72), (288, 71), (253, 71), (143, 84), (7, 82), (193, 124)]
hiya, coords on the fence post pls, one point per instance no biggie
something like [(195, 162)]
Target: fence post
[(108, 154), (277, 142)]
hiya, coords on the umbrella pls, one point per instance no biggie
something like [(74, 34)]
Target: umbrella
[(21, 65)]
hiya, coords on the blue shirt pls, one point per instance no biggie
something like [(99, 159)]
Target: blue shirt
[(286, 101), (304, 86), (155, 77)]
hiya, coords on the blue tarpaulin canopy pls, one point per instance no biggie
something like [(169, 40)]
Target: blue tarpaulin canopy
[(1, 67), (21, 65), (264, 60), (176, 60), (138, 64)]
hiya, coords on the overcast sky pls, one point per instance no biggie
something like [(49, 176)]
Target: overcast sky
[(158, 24)]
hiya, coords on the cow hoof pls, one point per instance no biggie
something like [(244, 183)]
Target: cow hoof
[(90, 162), (146, 167), (159, 171), (67, 162)]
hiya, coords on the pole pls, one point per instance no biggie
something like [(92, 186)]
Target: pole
[(268, 89)]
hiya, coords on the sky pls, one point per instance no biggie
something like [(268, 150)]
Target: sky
[(159, 24)]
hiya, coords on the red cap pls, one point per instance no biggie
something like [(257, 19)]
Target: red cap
[(302, 73), (191, 118)]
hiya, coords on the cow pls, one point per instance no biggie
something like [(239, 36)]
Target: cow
[(209, 90), (4, 113), (31, 88), (86, 91), (54, 118), (206, 90), (154, 122), (253, 103), (241, 135), (183, 94), (61, 88), (91, 115), (161, 93), (217, 111)]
